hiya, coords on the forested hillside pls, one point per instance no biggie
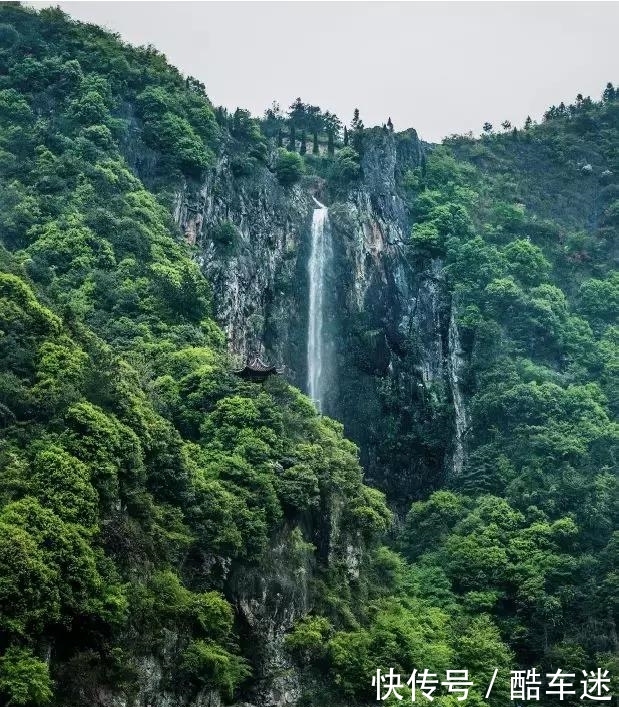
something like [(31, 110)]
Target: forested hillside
[(171, 534), (525, 223), (135, 467)]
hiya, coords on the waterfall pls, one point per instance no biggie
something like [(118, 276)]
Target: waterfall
[(319, 259)]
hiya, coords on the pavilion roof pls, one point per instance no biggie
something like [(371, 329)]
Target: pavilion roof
[(256, 368)]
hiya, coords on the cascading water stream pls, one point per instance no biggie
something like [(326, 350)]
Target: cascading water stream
[(318, 262)]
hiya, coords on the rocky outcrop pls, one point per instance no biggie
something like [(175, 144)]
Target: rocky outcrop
[(388, 322), (251, 278), (392, 339), (455, 366)]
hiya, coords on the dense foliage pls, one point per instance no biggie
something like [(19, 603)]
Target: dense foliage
[(522, 228), (524, 225), (141, 482), (134, 466)]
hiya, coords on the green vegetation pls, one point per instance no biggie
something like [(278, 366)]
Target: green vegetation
[(143, 487), (289, 167), (130, 457), (345, 167), (225, 235), (527, 533), (514, 563)]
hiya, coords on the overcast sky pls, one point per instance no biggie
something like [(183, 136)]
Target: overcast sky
[(441, 67)]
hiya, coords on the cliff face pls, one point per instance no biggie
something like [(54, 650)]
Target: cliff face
[(392, 350), (252, 281), (268, 599)]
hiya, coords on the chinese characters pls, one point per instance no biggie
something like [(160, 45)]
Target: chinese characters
[(524, 685)]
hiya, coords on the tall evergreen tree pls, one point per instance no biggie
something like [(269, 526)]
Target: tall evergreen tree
[(357, 128), (292, 141), (315, 149), (273, 120), (330, 144), (297, 114), (609, 92), (345, 136), (315, 122), (332, 125), (303, 148)]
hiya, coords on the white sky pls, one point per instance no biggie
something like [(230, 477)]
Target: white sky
[(440, 67)]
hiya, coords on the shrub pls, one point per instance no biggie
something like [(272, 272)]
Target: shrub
[(225, 234), (346, 167), (308, 639), (24, 679), (208, 665), (288, 168), (426, 239)]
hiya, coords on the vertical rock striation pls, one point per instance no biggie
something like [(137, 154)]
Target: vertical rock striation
[(389, 330), (455, 365)]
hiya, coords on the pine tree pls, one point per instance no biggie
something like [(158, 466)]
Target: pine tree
[(487, 127), (273, 120), (292, 142), (297, 113), (315, 122), (551, 113), (332, 126), (280, 138), (357, 138), (390, 125), (609, 93), (221, 115), (303, 148), (345, 136), (356, 131), (528, 123)]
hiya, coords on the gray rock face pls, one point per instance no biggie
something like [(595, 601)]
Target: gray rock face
[(387, 321), (156, 686), (269, 600), (252, 282), (393, 341), (455, 365)]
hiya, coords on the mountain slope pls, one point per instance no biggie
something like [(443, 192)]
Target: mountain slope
[(145, 489), (174, 535)]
